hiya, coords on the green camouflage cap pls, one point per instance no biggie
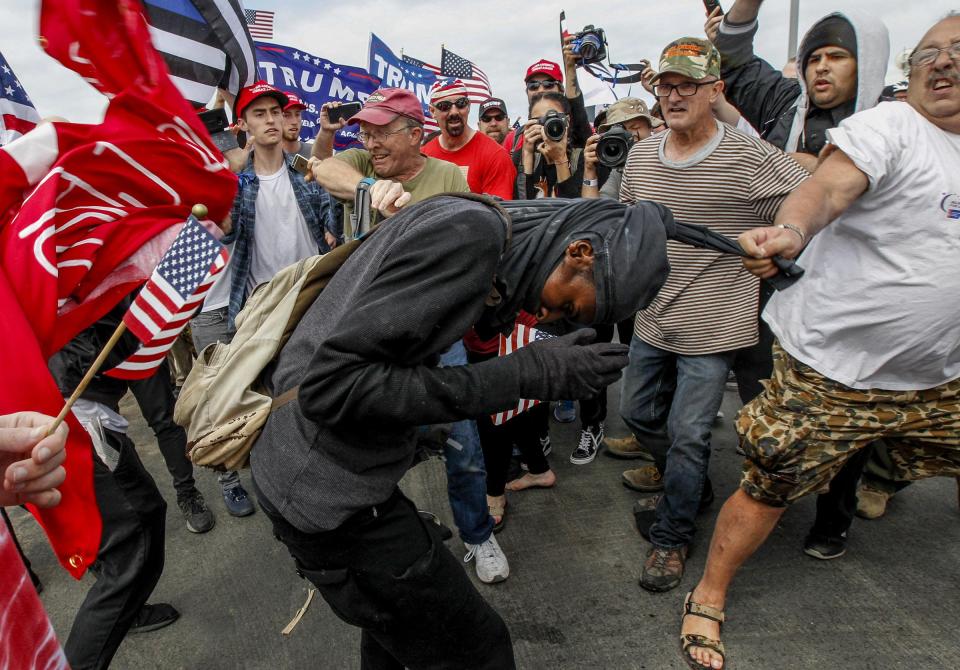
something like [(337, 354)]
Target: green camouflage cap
[(690, 56)]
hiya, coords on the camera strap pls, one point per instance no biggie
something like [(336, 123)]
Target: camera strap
[(601, 72)]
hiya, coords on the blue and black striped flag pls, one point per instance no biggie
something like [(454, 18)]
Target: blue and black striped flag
[(206, 44)]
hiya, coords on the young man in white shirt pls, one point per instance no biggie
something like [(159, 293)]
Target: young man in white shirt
[(869, 338)]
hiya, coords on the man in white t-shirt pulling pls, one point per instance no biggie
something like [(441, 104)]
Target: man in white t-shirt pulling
[(869, 339)]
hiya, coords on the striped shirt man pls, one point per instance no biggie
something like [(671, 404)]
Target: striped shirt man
[(736, 182)]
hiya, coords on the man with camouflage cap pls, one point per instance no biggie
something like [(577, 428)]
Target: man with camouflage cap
[(707, 173)]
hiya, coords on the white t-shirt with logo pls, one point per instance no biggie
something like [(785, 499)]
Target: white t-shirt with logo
[(280, 236), (879, 305)]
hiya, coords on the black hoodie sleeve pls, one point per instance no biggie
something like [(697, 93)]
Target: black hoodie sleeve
[(427, 293), (761, 92)]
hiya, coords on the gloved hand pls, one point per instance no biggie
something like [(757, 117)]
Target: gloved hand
[(569, 367)]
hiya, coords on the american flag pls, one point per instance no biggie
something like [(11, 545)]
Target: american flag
[(17, 113), (478, 86), (520, 337), (429, 126), (260, 23), (167, 301)]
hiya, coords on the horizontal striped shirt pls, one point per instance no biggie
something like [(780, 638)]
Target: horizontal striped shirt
[(709, 303)]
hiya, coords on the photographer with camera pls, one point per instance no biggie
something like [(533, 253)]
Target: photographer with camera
[(552, 166), (626, 121)]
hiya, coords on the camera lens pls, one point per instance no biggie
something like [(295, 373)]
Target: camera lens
[(613, 148), (554, 128), (589, 47)]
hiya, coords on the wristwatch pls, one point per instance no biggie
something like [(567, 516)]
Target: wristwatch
[(366, 183), (595, 183)]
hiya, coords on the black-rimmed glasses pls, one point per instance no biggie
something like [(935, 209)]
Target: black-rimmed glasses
[(684, 89)]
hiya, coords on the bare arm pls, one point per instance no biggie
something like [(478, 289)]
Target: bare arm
[(810, 208), (571, 87)]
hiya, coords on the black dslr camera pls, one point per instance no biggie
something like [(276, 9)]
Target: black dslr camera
[(613, 147), (591, 45), (554, 125)]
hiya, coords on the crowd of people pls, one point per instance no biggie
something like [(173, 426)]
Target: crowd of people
[(849, 378)]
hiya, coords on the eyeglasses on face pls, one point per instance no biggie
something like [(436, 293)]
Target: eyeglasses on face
[(684, 89), (379, 135), (487, 118), (445, 105), (546, 84), (925, 57)]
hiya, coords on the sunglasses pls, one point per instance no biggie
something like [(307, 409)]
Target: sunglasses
[(547, 84), (492, 117), (445, 105)]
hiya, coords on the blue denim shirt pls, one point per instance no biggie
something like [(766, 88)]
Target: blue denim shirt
[(314, 203)]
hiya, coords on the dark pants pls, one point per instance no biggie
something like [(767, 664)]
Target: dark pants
[(129, 562), (384, 571), (155, 397)]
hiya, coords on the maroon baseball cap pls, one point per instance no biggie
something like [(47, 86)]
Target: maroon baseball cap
[(546, 67), (386, 104), (295, 101), (257, 90)]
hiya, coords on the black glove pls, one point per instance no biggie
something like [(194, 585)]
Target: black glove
[(569, 367)]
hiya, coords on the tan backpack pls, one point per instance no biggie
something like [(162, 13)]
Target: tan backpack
[(223, 404)]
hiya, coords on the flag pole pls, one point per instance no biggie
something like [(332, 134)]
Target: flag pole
[(199, 211)]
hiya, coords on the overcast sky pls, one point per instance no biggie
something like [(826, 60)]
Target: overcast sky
[(503, 37)]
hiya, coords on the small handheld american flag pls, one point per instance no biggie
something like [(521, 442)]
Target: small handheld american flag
[(175, 291), (520, 337)]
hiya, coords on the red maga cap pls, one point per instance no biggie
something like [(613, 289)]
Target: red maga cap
[(546, 67), (295, 101), (257, 90), (386, 104)]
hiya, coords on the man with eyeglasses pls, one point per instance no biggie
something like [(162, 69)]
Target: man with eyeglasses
[(841, 63), (390, 165), (869, 339), (494, 122), (486, 166), (711, 174)]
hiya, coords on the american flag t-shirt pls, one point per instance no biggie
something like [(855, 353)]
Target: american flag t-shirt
[(475, 79), (17, 113), (520, 337), (260, 23), (175, 291)]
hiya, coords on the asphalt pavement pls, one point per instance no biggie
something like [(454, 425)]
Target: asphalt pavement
[(572, 599)]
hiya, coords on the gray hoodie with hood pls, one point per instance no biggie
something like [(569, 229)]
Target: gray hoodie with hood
[(779, 107)]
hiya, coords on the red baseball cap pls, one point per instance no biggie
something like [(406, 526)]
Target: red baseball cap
[(294, 102), (546, 67), (257, 90), (386, 104)]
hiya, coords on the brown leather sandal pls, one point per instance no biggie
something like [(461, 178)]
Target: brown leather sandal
[(690, 640), (499, 514)]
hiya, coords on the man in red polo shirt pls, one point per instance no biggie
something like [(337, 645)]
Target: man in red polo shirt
[(486, 166)]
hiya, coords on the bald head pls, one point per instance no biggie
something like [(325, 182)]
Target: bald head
[(935, 74)]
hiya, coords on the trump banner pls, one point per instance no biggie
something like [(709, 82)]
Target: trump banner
[(316, 81), (395, 72)]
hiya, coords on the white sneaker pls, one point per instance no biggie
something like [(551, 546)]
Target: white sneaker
[(492, 566)]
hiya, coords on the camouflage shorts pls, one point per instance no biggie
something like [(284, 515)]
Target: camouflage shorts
[(799, 433)]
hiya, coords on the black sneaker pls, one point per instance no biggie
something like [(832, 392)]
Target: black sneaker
[(153, 617), (586, 451), (825, 548), (194, 509)]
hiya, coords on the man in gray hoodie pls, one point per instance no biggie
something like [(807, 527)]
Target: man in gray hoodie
[(841, 64)]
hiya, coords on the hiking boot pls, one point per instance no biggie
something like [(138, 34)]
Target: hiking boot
[(491, 562), (626, 447), (194, 509), (825, 548), (647, 479), (586, 451), (871, 502), (153, 617), (565, 411), (663, 569), (237, 501)]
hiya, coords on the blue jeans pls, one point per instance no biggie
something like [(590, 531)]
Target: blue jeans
[(466, 474), (670, 402)]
